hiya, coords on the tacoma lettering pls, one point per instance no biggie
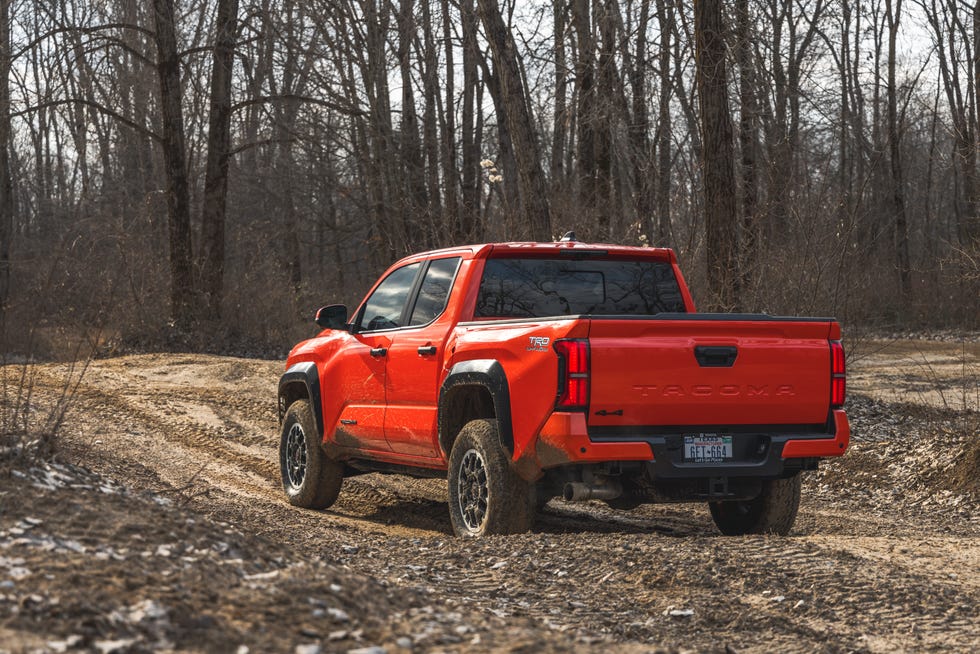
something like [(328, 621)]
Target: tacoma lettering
[(704, 390)]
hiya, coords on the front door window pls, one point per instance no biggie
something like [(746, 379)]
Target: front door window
[(384, 309)]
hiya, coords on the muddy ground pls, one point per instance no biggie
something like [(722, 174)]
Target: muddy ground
[(161, 526)]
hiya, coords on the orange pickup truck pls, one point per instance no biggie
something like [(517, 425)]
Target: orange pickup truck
[(528, 371)]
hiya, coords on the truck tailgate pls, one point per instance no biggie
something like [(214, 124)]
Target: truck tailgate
[(709, 370)]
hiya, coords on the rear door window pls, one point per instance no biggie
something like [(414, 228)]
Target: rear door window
[(535, 288), (434, 291)]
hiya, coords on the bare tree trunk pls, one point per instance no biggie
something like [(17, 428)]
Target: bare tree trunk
[(450, 173), (561, 85), (893, 12), (844, 161), (390, 229), (256, 65), (530, 177), (878, 173), (607, 89), (6, 179), (430, 132), (506, 163), (665, 18), (471, 145), (182, 300), (41, 136), (927, 213), (292, 82), (718, 158), (585, 108), (858, 113), (640, 127), (135, 150), (411, 149), (777, 136), (82, 119), (748, 137), (212, 253), (964, 150), (972, 231)]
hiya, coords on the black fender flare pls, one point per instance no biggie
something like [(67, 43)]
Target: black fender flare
[(302, 374), (489, 374)]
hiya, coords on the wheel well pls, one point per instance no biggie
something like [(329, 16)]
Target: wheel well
[(289, 393), (462, 404)]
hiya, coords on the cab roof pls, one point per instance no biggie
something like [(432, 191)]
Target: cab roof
[(574, 249)]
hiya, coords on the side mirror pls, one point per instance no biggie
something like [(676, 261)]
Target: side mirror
[(333, 316)]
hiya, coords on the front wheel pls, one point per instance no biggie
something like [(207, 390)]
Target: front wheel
[(310, 478), (773, 511), (486, 496)]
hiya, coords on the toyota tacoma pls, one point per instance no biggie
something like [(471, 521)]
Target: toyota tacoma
[(521, 372)]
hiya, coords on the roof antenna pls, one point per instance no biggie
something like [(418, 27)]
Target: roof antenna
[(569, 237)]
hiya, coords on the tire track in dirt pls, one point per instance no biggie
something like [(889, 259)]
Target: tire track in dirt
[(198, 458), (842, 573), (868, 581), (124, 417)]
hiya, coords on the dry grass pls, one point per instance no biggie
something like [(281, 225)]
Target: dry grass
[(938, 383), (965, 475), (30, 424)]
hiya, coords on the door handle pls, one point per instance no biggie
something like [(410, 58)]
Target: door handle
[(427, 349), (379, 351)]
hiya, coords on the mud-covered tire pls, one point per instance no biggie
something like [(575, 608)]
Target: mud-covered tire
[(486, 495), (310, 478), (772, 512)]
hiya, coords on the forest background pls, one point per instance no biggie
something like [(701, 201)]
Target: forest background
[(203, 174)]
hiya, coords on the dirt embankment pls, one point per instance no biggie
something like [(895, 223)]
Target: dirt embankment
[(180, 538)]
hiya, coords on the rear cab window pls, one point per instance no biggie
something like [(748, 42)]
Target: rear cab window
[(542, 287)]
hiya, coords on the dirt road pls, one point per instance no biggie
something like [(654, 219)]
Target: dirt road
[(885, 555)]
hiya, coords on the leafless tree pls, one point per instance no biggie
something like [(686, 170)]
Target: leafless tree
[(241, 161), (718, 157)]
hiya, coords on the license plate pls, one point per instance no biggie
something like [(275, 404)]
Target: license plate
[(707, 448)]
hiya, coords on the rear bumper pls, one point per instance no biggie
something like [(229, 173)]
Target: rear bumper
[(565, 440), (830, 445)]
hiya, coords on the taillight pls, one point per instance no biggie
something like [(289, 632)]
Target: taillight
[(573, 374), (838, 381)]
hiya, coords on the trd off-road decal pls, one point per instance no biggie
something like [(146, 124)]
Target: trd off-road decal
[(538, 343)]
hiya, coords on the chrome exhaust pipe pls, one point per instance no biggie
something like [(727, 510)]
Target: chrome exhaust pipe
[(577, 491)]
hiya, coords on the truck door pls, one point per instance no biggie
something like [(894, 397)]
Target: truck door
[(414, 363), (362, 363)]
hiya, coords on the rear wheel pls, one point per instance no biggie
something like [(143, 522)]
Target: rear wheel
[(772, 512), (486, 496), (310, 478)]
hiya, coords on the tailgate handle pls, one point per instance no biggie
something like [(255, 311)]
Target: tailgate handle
[(714, 356)]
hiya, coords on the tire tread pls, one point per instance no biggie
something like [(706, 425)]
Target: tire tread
[(772, 512), (511, 506), (324, 476)]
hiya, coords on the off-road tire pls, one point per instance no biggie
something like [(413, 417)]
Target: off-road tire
[(772, 512), (486, 495), (310, 478)]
